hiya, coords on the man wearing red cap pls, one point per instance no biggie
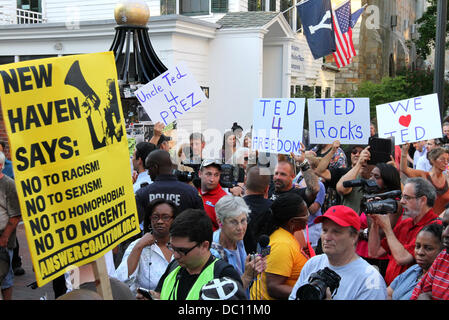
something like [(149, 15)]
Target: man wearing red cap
[(359, 280)]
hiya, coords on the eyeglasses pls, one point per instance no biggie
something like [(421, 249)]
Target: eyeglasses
[(165, 217), (181, 251), (408, 198), (355, 151), (443, 160)]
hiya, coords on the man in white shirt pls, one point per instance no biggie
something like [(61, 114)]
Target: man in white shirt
[(423, 162), (421, 152), (358, 279)]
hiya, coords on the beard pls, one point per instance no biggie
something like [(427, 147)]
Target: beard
[(411, 213)]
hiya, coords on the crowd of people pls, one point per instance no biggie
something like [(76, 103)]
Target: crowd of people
[(324, 224)]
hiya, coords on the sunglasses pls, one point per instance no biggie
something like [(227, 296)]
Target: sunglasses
[(181, 251)]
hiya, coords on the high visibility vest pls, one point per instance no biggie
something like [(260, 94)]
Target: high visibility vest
[(170, 286)]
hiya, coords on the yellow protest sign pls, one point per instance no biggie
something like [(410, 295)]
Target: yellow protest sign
[(70, 156)]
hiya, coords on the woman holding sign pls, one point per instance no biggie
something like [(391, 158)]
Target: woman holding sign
[(146, 259), (438, 158)]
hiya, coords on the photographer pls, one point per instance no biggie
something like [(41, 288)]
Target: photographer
[(388, 180), (352, 196), (355, 279), (418, 198), (210, 189)]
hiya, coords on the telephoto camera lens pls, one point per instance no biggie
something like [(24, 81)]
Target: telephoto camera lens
[(317, 284)]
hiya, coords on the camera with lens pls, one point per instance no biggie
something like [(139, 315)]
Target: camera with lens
[(229, 177), (387, 202), (368, 185), (317, 284)]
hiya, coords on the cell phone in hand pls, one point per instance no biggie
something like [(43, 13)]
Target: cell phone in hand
[(145, 292)]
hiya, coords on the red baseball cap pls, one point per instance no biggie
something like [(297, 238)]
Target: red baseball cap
[(341, 215)]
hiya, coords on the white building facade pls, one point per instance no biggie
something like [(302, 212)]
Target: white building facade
[(237, 54)]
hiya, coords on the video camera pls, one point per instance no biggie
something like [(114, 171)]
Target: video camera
[(368, 185), (229, 177), (386, 204), (317, 284)]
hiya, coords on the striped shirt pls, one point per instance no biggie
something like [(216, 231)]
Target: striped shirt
[(436, 280)]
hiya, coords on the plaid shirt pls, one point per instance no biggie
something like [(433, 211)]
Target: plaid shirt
[(436, 280)]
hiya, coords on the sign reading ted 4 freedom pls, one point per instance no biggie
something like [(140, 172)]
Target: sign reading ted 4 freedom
[(171, 95), (344, 119), (277, 125), (70, 155), (410, 120)]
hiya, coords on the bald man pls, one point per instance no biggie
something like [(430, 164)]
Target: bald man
[(165, 185)]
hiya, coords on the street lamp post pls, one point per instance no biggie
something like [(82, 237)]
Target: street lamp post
[(440, 41)]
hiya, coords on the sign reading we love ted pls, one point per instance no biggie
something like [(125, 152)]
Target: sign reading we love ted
[(410, 120)]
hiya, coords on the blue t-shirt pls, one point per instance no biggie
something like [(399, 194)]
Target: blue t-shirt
[(315, 228), (404, 283), (359, 279)]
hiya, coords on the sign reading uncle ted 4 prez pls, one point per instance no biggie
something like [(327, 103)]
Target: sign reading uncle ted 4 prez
[(70, 155)]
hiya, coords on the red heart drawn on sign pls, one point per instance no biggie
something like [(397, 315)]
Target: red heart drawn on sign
[(405, 120)]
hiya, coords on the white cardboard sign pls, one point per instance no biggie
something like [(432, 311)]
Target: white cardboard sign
[(171, 95), (410, 120), (278, 125), (343, 119)]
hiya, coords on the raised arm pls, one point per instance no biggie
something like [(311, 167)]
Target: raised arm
[(322, 168), (405, 169), (354, 172)]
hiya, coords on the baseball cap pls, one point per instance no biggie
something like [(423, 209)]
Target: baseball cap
[(210, 162), (223, 289), (162, 139), (341, 215)]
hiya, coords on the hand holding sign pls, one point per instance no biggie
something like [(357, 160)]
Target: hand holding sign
[(344, 119), (172, 94), (278, 125)]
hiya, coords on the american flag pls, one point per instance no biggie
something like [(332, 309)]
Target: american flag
[(343, 35)]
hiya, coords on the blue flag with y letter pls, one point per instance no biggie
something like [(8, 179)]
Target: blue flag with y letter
[(316, 19)]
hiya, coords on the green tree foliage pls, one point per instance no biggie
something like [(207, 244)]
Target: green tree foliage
[(427, 30), (406, 85)]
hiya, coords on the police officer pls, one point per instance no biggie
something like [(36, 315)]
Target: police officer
[(165, 185)]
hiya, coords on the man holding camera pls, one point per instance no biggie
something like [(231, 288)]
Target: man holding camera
[(418, 197), (210, 189), (339, 273)]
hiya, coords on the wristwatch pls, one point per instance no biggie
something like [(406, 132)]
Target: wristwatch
[(305, 165)]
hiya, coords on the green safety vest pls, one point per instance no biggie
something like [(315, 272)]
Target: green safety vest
[(170, 286)]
